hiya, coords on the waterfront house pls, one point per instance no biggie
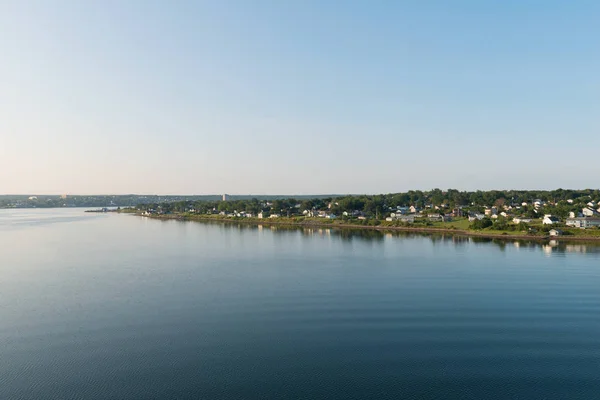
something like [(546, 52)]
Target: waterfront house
[(274, 216), (475, 216), (261, 215), (583, 222), (589, 212), (555, 232), (549, 220)]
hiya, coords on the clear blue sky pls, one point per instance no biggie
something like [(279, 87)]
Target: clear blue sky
[(298, 97)]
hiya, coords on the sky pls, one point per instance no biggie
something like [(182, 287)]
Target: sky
[(298, 97)]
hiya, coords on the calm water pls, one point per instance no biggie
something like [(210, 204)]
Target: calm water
[(96, 306)]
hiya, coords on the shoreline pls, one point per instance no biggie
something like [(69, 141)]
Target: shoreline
[(424, 230)]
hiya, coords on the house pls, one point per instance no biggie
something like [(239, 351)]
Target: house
[(504, 214), (458, 212), (440, 218), (274, 216), (406, 218), (591, 204), (518, 220), (488, 211), (570, 201), (583, 222), (330, 216), (555, 232), (402, 210), (549, 220), (262, 215), (589, 212), (400, 217), (414, 209), (474, 216)]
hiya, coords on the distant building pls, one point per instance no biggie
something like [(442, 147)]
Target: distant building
[(518, 220), (33, 198), (555, 232), (583, 222), (549, 220), (589, 212), (476, 216), (225, 197)]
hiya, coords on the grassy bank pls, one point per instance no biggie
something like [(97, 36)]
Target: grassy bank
[(459, 227)]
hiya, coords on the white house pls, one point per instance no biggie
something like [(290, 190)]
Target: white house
[(591, 204), (555, 232), (274, 216), (518, 220), (589, 212), (261, 215), (475, 216), (570, 201), (549, 220), (583, 222), (414, 209)]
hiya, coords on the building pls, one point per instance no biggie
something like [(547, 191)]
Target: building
[(549, 220), (589, 212), (225, 197), (262, 215), (555, 232), (475, 216), (440, 218), (518, 220), (583, 222), (402, 210)]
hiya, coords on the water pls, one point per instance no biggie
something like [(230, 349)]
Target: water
[(106, 306)]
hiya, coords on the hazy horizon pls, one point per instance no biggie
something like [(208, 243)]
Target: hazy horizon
[(291, 195), (307, 98)]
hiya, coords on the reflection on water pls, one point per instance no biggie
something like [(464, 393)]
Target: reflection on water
[(375, 236)]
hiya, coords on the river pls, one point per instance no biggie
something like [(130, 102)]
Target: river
[(110, 306)]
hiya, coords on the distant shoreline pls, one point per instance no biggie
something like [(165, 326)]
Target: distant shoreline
[(314, 224)]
